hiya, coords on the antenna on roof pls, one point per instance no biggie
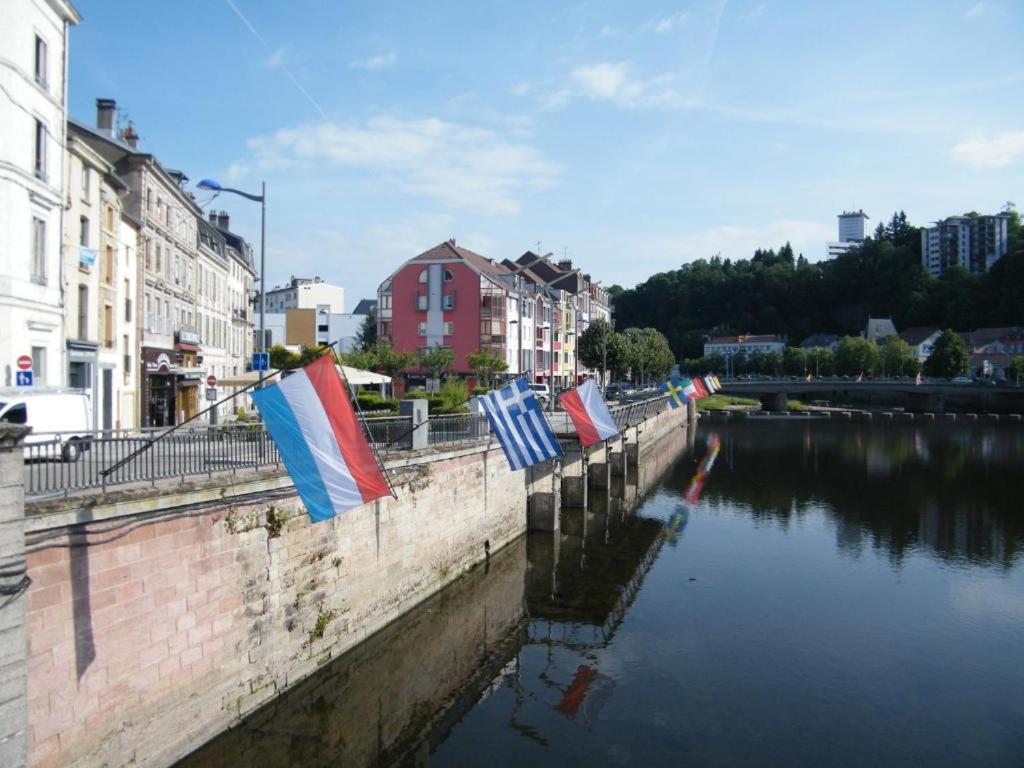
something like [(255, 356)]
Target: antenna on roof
[(538, 248)]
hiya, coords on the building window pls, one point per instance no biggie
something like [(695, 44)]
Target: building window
[(449, 329), (385, 301), (448, 276), (83, 231), (421, 302), (423, 276), (448, 301), (108, 326), (421, 329), (40, 155), (108, 265), (86, 173), (108, 214), (41, 62), (38, 251), (126, 352), (127, 301)]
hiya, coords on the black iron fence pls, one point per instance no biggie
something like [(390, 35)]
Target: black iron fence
[(60, 464)]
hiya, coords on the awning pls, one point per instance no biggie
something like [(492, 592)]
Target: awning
[(356, 377)]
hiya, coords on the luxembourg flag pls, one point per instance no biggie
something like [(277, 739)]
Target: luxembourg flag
[(589, 414), (312, 422)]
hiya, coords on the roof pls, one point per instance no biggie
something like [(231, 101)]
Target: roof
[(982, 336), (764, 338), (448, 250), (918, 333), (820, 340), (365, 307), (879, 328)]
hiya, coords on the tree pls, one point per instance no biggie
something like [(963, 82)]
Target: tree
[(949, 356), (648, 353), (600, 346), (438, 360), (280, 357), (1015, 370), (367, 335), (821, 361), (380, 357), (794, 361), (896, 357), (485, 365), (855, 356)]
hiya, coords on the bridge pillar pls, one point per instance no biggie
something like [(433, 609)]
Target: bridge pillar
[(775, 401), (544, 502)]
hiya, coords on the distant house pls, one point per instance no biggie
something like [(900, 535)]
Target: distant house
[(921, 340), (744, 345), (992, 349), (879, 328), (824, 340)]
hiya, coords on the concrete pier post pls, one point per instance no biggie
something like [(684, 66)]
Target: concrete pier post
[(13, 637), (574, 481), (599, 471), (545, 497), (618, 459)]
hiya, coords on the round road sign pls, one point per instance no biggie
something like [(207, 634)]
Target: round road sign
[(211, 380), (24, 363)]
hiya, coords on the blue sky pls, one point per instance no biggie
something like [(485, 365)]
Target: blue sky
[(637, 136)]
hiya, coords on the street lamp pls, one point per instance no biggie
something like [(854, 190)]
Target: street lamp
[(215, 186)]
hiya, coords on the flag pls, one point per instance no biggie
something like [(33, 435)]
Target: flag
[(709, 382), (689, 389), (701, 389), (809, 377), (673, 389), (589, 414), (311, 420), (861, 377), (718, 384), (917, 381), (519, 425)]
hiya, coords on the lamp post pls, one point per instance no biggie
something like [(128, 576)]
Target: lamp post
[(215, 186)]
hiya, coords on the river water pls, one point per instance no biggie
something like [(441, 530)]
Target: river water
[(821, 594)]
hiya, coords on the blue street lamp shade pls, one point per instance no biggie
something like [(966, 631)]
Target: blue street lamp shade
[(210, 184)]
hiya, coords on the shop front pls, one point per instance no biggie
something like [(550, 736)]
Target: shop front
[(159, 387), (189, 374)]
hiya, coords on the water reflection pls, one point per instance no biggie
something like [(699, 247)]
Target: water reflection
[(954, 491)]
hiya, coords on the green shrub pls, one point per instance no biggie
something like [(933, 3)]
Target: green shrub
[(480, 391), (371, 401), (417, 395)]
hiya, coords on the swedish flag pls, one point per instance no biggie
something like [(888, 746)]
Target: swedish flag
[(673, 389)]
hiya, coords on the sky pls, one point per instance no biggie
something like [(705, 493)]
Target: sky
[(630, 137)]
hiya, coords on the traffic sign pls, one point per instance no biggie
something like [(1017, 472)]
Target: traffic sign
[(211, 380), (25, 363), (261, 361), (211, 394), (23, 378)]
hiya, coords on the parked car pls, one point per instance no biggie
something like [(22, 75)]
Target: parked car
[(542, 391), (960, 380), (61, 421), (612, 392)]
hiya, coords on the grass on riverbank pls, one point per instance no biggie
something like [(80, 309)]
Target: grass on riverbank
[(719, 402), (796, 405)]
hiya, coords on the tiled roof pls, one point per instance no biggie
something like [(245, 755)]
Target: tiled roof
[(448, 250)]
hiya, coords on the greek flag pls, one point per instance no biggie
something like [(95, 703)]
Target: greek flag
[(519, 424)]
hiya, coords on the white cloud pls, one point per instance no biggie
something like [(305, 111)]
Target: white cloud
[(521, 89), (977, 9), (465, 167), (380, 61), (613, 81), (753, 14), (608, 31), (666, 24), (275, 60), (996, 152)]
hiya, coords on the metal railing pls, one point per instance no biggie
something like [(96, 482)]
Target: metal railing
[(59, 464), (446, 429)]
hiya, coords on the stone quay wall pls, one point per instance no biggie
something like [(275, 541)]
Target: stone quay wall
[(158, 618)]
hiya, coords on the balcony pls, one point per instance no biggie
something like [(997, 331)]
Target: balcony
[(239, 314)]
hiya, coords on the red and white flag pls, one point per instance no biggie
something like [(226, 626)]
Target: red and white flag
[(585, 406)]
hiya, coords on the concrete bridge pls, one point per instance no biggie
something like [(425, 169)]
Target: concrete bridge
[(929, 396)]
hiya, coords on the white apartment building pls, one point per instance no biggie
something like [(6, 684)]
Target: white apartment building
[(304, 293), (33, 114), (241, 277), (852, 231), (972, 242), (729, 346)]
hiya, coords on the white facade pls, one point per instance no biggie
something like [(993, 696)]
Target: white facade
[(33, 112), (728, 346), (852, 228), (304, 293)]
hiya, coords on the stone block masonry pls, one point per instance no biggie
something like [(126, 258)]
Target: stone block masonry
[(158, 618)]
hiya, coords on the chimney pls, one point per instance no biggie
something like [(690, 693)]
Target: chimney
[(565, 265), (223, 220), (213, 218), (106, 110), (130, 137)]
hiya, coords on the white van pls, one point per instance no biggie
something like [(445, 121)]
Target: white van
[(61, 420)]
